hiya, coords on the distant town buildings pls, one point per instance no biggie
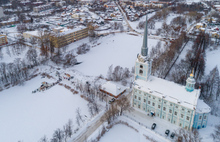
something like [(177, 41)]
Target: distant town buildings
[(3, 40), (42, 7), (1, 12), (61, 36), (64, 36)]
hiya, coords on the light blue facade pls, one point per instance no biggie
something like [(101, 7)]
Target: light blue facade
[(172, 112), (190, 83), (200, 120)]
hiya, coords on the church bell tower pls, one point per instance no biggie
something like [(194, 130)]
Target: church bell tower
[(143, 62)]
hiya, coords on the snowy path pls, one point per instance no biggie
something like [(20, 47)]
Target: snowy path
[(89, 130)]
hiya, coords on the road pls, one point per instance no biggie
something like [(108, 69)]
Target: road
[(89, 130), (131, 29)]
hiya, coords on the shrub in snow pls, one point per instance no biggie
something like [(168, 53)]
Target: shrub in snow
[(83, 49), (65, 60), (216, 134), (187, 136)]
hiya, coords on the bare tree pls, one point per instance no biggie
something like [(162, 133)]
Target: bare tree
[(91, 32), (44, 42), (67, 130), (31, 56), (111, 114), (216, 134), (58, 136), (109, 74), (188, 136), (124, 104), (78, 114), (83, 49), (43, 139)]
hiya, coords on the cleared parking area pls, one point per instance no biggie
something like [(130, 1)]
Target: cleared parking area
[(161, 125)]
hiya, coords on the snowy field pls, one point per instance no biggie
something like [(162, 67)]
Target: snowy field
[(212, 60), (118, 49), (28, 117), (205, 133), (120, 133)]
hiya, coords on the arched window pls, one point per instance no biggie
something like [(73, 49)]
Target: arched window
[(140, 72), (141, 66)]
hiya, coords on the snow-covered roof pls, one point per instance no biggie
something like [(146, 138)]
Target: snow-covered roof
[(199, 24), (202, 107), (217, 6), (33, 33), (169, 91), (67, 31), (113, 88)]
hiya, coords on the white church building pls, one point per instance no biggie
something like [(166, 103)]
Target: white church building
[(167, 100)]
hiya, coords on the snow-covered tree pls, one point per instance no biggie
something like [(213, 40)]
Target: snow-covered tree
[(187, 136), (216, 134), (210, 89)]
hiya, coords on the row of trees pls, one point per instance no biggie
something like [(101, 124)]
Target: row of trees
[(18, 71), (13, 73), (195, 58), (117, 26), (61, 135), (164, 57), (210, 91), (118, 73), (183, 7)]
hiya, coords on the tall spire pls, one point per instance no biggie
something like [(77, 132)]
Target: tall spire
[(144, 48)]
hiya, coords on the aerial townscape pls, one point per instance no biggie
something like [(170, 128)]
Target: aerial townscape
[(109, 71)]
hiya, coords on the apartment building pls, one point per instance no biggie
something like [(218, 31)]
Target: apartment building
[(3, 40), (65, 36)]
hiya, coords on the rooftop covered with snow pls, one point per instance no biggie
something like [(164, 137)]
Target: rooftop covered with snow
[(169, 91), (113, 88), (202, 107)]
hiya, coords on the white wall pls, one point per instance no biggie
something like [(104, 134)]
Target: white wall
[(1, 12)]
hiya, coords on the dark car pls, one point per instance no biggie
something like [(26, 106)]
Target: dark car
[(153, 126), (111, 101), (172, 135), (167, 132)]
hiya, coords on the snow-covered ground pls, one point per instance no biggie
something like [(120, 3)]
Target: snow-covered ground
[(27, 117), (158, 24), (9, 56), (134, 24), (119, 49), (120, 133), (205, 133), (212, 60)]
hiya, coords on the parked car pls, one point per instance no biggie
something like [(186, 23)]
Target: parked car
[(167, 132), (153, 126), (172, 135), (111, 101)]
